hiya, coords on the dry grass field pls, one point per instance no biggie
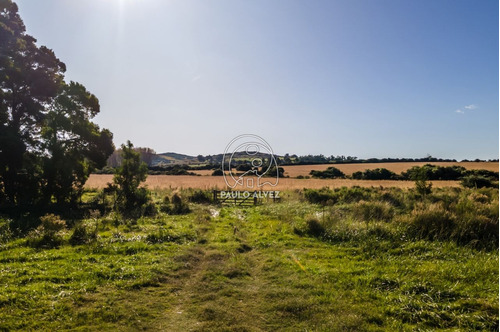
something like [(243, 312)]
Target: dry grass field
[(217, 182)]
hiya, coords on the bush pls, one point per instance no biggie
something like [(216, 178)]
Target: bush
[(483, 172), (431, 222), (82, 235), (165, 205), (320, 196), (329, 173), (178, 205), (476, 181), (218, 172), (49, 233), (477, 220), (368, 211), (375, 174), (352, 194), (315, 228), (327, 196), (433, 172), (5, 232), (201, 196)]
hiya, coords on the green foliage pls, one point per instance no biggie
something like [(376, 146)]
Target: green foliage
[(431, 222), (476, 181), (366, 276), (201, 196), (48, 144), (375, 174), (49, 234), (321, 196), (421, 177), (434, 172), (369, 211), (326, 196), (315, 228), (131, 199), (5, 231), (83, 234), (273, 171), (179, 206), (217, 172), (329, 173)]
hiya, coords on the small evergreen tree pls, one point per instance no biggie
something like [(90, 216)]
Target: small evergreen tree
[(128, 177), (421, 184)]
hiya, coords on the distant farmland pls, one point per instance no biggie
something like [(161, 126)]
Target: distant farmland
[(296, 170), (217, 182), (205, 181)]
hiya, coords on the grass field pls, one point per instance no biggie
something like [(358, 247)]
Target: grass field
[(206, 182), (289, 266)]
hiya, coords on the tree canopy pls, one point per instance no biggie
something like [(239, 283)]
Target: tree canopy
[(48, 143)]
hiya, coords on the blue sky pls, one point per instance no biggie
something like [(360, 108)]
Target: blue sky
[(350, 77)]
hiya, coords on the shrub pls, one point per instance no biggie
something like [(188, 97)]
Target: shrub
[(49, 233), (352, 194), (375, 174), (476, 181), (179, 206), (482, 172), (315, 228), (165, 205), (320, 196), (368, 211), (5, 232), (131, 199), (149, 209), (244, 167), (82, 235), (218, 172), (201, 196), (433, 172), (52, 224), (431, 222), (329, 173), (420, 175), (477, 221), (478, 231)]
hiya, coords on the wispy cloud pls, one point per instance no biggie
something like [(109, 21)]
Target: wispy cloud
[(470, 107)]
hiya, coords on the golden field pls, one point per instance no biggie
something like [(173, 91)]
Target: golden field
[(217, 182), (205, 181)]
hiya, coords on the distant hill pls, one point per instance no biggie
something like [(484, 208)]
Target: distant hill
[(172, 158)]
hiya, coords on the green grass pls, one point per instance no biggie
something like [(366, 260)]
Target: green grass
[(251, 269)]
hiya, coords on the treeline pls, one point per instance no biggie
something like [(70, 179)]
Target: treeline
[(469, 178), (215, 161)]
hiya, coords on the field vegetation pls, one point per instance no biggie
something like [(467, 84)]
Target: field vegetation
[(328, 259)]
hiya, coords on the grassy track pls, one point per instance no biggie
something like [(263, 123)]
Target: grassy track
[(245, 270)]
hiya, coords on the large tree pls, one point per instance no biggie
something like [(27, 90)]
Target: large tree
[(47, 139)]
